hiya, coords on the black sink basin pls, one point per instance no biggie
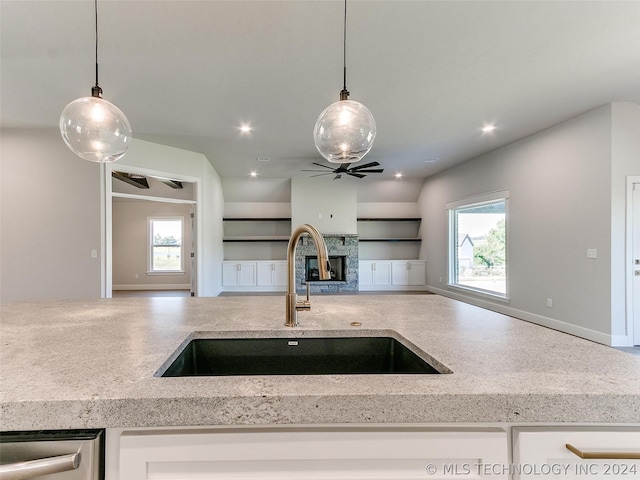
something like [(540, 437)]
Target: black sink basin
[(299, 356)]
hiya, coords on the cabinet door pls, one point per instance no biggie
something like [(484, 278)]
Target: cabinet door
[(280, 274), (542, 452), (400, 273), (382, 273), (230, 274), (264, 274), (272, 274), (314, 454), (416, 273), (247, 274), (365, 273)]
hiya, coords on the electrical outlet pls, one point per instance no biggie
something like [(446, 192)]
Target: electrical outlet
[(592, 253), (549, 303), (94, 253)]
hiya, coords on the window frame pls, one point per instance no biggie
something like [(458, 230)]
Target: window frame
[(452, 274), (150, 246)]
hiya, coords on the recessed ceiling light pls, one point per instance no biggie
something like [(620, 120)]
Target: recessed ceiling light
[(488, 128), (398, 175), (245, 128), (253, 173)]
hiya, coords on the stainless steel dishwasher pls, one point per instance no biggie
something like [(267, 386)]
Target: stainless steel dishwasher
[(52, 455)]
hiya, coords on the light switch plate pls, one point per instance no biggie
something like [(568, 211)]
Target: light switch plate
[(592, 253)]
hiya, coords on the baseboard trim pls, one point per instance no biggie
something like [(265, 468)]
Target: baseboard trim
[(578, 331), (141, 286)]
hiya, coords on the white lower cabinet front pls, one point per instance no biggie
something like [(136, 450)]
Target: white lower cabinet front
[(310, 453), (238, 274), (555, 452)]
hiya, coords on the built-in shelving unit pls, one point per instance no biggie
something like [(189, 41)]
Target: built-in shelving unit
[(389, 238), (251, 238), (389, 229), (257, 229)]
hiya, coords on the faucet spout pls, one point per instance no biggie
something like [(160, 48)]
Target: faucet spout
[(293, 305)]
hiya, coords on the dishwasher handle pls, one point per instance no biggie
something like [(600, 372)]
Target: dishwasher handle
[(42, 466)]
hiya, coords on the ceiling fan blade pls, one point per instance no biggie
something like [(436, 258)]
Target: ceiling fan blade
[(359, 175), (337, 176), (360, 167), (320, 165), (320, 174), (313, 171), (375, 170)]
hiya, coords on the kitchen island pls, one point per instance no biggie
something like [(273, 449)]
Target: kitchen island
[(92, 364)]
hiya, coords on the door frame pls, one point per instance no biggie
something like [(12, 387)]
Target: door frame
[(106, 278), (632, 327)]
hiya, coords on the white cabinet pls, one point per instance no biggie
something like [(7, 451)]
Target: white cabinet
[(408, 273), (392, 274), (272, 274), (254, 276), (238, 274), (312, 453), (374, 273), (545, 452)]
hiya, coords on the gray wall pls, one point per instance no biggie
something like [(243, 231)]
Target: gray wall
[(50, 209), (130, 244), (51, 215), (560, 181)]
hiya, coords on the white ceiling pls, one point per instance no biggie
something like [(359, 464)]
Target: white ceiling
[(188, 73)]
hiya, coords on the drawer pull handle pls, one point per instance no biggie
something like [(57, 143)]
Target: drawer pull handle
[(603, 455), (43, 466)]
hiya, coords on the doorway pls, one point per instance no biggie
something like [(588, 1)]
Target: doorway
[(138, 200), (634, 259)]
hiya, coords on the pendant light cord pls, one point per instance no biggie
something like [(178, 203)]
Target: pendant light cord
[(344, 94), (96, 91)]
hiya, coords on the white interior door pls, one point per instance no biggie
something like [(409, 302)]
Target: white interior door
[(635, 225)]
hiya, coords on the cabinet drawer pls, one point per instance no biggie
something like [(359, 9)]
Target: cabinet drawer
[(313, 453), (541, 451)]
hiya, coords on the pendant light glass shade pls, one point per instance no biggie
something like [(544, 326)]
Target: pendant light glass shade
[(95, 129), (344, 132)]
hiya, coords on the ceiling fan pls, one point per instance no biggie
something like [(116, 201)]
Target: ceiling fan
[(358, 171)]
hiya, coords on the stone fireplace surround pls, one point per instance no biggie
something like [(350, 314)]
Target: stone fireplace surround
[(337, 244)]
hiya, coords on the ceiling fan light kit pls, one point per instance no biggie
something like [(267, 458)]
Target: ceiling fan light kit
[(93, 128), (345, 130)]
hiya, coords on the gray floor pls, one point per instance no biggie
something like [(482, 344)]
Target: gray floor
[(150, 293), (632, 350)]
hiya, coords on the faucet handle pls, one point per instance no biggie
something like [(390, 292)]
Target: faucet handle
[(305, 304)]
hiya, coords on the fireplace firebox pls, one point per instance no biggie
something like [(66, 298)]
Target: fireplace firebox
[(338, 272)]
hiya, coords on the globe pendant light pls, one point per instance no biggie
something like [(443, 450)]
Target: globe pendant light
[(94, 129), (345, 130)]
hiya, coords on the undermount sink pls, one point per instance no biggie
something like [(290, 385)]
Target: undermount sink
[(297, 356)]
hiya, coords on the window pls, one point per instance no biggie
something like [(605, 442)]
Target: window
[(478, 244), (165, 245)]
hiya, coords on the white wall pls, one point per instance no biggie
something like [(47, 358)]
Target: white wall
[(625, 131), (560, 205), (161, 159), (331, 206), (568, 187), (130, 244), (50, 218)]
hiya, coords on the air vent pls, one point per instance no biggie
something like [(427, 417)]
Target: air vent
[(264, 159)]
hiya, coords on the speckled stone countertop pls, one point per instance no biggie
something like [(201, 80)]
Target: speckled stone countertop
[(87, 364)]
